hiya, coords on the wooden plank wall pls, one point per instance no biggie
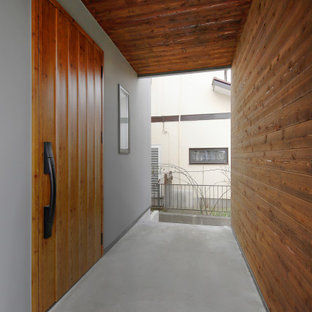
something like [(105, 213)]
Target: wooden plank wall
[(272, 150)]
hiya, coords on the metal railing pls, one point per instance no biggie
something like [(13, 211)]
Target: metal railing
[(202, 199)]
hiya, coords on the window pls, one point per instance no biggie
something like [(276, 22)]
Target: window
[(208, 155)]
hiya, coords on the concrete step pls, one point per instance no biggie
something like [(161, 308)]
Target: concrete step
[(193, 219)]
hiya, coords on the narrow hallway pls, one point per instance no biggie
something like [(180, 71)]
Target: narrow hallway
[(167, 267)]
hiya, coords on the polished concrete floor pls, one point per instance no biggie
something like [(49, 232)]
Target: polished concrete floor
[(164, 267)]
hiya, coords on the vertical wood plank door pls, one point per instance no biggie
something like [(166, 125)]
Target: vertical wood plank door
[(67, 111)]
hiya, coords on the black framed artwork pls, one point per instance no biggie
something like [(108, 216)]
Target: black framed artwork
[(123, 121)]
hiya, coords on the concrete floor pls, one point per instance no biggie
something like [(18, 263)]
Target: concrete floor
[(163, 267)]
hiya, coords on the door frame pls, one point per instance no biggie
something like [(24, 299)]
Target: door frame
[(36, 157)]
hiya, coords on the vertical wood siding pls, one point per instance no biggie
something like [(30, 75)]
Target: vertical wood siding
[(68, 113), (272, 150)]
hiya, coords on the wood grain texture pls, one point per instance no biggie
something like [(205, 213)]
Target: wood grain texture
[(73, 155), (61, 154), (47, 73), (174, 35), (272, 150), (35, 156), (82, 156), (67, 111), (90, 155)]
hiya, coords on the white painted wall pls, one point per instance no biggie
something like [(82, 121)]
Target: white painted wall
[(126, 178), (191, 94), (188, 94)]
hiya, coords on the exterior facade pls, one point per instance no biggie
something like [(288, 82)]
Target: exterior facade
[(200, 120)]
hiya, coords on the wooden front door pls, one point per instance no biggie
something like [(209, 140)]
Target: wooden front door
[(67, 124)]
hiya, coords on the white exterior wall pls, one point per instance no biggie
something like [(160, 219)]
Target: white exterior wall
[(191, 94)]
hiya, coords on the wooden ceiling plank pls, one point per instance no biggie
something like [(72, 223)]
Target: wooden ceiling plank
[(180, 68), (168, 41), (203, 49), (118, 5), (212, 25), (173, 35), (206, 20), (177, 38), (164, 8), (183, 60), (212, 63), (178, 43)]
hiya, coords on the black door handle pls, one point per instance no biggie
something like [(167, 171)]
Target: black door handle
[(49, 168)]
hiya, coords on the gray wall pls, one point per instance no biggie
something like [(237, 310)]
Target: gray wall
[(126, 177), (15, 155)]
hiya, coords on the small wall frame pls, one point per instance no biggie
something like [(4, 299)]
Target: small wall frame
[(208, 156), (123, 121)]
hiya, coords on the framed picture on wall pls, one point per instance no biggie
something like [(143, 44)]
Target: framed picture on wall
[(123, 121), (212, 156)]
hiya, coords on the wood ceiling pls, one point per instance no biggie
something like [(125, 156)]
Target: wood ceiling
[(161, 36)]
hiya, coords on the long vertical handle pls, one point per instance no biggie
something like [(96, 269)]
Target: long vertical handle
[(49, 168)]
